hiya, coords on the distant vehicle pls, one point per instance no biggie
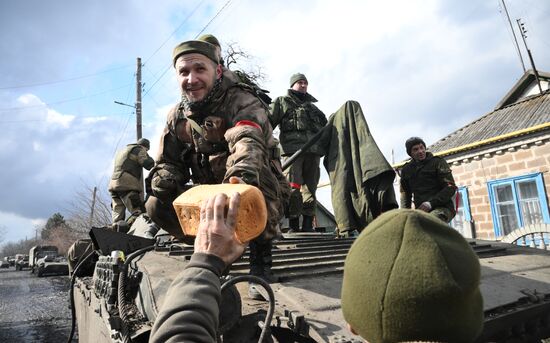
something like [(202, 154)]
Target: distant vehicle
[(45, 259), (11, 260), (21, 261), (4, 264)]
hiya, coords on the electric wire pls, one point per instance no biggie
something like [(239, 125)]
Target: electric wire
[(21, 108), (63, 80), (174, 32), (198, 34)]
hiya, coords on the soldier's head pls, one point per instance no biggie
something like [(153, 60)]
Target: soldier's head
[(144, 142), (416, 148), (197, 68), (409, 277), (215, 42), (298, 82)]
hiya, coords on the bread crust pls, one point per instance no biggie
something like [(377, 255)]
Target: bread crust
[(251, 216)]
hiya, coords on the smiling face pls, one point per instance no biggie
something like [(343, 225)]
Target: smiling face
[(196, 75), (418, 152), (300, 86)]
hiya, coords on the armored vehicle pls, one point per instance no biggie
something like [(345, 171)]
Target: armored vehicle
[(121, 300), (21, 261), (45, 259)]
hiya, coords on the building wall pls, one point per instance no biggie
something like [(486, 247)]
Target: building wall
[(508, 160)]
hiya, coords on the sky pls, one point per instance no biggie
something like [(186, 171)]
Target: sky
[(417, 67)]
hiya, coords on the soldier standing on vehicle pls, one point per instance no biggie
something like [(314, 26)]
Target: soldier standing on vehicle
[(299, 120), (217, 132), (126, 185), (427, 181)]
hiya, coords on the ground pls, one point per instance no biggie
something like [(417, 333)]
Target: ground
[(33, 309)]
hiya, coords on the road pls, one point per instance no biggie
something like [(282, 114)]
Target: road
[(33, 309)]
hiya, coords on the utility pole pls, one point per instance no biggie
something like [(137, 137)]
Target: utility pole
[(93, 207), (524, 35), (514, 34), (138, 98)]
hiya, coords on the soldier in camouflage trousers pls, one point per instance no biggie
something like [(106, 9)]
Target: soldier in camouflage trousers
[(217, 132), (428, 180), (299, 120), (126, 185)]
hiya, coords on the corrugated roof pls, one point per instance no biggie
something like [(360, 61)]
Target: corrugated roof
[(532, 111)]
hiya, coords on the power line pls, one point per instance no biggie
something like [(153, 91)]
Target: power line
[(174, 32), (198, 34), (20, 108), (63, 80)]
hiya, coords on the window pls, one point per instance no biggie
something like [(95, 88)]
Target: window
[(517, 202), (463, 216)]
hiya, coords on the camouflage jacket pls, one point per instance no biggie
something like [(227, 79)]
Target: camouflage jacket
[(428, 180), (298, 120), (128, 168), (230, 137)]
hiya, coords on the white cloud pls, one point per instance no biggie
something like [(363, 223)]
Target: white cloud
[(55, 117)]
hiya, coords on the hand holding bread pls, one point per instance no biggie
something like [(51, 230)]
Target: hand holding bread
[(216, 231)]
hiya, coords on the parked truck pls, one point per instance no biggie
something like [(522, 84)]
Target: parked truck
[(45, 259)]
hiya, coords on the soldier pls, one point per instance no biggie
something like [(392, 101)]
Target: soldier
[(126, 185), (219, 131), (299, 120), (428, 181)]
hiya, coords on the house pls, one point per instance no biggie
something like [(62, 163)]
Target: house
[(501, 163)]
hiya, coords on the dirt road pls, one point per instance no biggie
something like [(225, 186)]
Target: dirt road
[(33, 309)]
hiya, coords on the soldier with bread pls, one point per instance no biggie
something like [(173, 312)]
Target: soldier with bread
[(217, 132)]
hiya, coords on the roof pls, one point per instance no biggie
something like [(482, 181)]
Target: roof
[(525, 116), (527, 80)]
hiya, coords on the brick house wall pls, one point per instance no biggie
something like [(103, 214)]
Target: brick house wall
[(507, 159)]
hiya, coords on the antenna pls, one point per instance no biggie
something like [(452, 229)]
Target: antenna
[(523, 32), (514, 34)]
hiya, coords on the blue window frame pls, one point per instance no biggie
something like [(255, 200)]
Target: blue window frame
[(517, 202), (463, 214)]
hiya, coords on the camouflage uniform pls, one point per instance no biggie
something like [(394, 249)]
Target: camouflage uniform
[(236, 140), (299, 120), (429, 180), (126, 182)]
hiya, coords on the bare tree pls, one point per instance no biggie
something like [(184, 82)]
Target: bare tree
[(3, 231), (236, 58), (80, 208)]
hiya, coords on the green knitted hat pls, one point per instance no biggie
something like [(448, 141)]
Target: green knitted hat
[(195, 46), (410, 277), (297, 77), (210, 39)]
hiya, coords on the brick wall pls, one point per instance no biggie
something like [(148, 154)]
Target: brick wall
[(474, 173)]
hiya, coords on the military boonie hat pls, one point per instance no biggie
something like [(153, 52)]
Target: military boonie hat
[(297, 77), (195, 46), (210, 39)]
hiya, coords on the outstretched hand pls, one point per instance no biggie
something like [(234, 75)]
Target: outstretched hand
[(216, 233)]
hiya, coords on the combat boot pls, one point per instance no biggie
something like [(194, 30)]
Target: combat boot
[(307, 224), (267, 261), (256, 269), (294, 225)]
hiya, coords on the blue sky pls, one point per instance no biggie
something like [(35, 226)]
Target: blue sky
[(417, 67)]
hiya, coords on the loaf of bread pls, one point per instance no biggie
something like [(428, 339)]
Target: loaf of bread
[(251, 216)]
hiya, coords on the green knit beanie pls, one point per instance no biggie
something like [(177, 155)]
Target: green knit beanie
[(195, 46), (410, 277), (297, 77)]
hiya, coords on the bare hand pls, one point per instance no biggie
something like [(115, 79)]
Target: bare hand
[(216, 233), (425, 206), (235, 179)]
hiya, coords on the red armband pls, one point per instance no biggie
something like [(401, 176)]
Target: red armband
[(248, 123)]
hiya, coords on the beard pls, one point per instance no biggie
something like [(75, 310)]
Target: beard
[(204, 102)]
